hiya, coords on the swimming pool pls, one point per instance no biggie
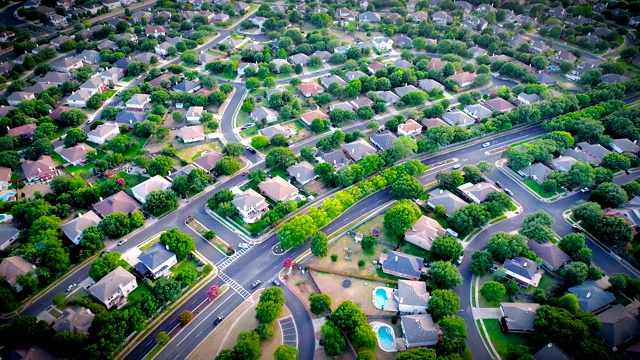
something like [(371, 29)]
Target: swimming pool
[(6, 196), (381, 298), (2, 217), (386, 338), (553, 68)]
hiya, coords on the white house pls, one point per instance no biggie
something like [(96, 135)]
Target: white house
[(250, 205), (8, 234), (138, 102), (194, 114), (156, 262), (113, 289), (382, 43), (412, 297), (74, 228), (156, 183), (264, 113), (409, 128), (190, 134), (79, 99), (5, 177), (103, 133)]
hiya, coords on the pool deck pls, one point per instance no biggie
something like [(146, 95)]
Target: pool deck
[(375, 325), (391, 305)]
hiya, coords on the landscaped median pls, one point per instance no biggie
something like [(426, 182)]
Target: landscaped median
[(210, 236)]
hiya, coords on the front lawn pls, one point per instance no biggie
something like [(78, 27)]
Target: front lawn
[(137, 145), (127, 78), (249, 133), (132, 180), (501, 341), (88, 166), (109, 94), (185, 264), (279, 172), (537, 188), (377, 223)]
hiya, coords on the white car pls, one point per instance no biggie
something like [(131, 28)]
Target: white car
[(584, 190), (121, 242), (244, 245), (456, 166), (70, 287), (486, 145)]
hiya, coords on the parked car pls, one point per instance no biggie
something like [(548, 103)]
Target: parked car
[(218, 320), (486, 145), (508, 192), (459, 261), (275, 282), (250, 149), (456, 166), (584, 190), (121, 242), (104, 252), (255, 284), (71, 287), (498, 184), (244, 245)]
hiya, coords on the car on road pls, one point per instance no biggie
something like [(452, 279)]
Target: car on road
[(275, 282), (459, 261), (104, 252), (255, 284), (71, 287), (218, 320), (508, 192), (250, 149), (243, 245), (121, 242), (456, 166), (584, 190), (498, 184), (245, 173), (486, 145), (250, 125)]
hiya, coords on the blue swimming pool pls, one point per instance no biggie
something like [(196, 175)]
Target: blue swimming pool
[(6, 196), (553, 68), (386, 337), (381, 298)]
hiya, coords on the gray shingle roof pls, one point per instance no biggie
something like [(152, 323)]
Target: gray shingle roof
[(550, 254), (384, 140), (519, 316), (419, 330), (155, 256), (521, 266), (618, 325), (591, 297), (402, 263)]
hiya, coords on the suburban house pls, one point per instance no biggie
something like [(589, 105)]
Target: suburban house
[(74, 228), (457, 117), (345, 14), (388, 96), (264, 113), (5, 177), (89, 57), (95, 85), (181, 171), (119, 202), (446, 198), (358, 149), (65, 65), (79, 99), (250, 205), (156, 183), (14, 266), (155, 31), (352, 75), (477, 192), (75, 154), (43, 169), (138, 102), (330, 79), (499, 104), (112, 75), (130, 118), (419, 331), (187, 86), (8, 234), (103, 133), (190, 134), (404, 90), (311, 115), (258, 21), (194, 114), (419, 16), (597, 152), (276, 129), (303, 172), (19, 96), (24, 131), (552, 257), (552, 351), (529, 99), (403, 41), (619, 325), (429, 85), (402, 265), (245, 65), (519, 317), (74, 320), (156, 262), (113, 289), (624, 145), (412, 297), (345, 105), (477, 111), (278, 189), (333, 157), (369, 17), (362, 101), (423, 232), (207, 161), (382, 43), (591, 297), (441, 18), (538, 172), (436, 63), (375, 66), (383, 140), (524, 271), (55, 78), (464, 79), (409, 128), (299, 59)]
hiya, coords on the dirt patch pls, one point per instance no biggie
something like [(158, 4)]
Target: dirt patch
[(29, 190), (349, 267), (315, 188), (301, 285), (189, 153), (360, 292)]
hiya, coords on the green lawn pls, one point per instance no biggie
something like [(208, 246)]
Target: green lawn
[(127, 78), (110, 93), (409, 248), (537, 188), (279, 172), (142, 290), (250, 132), (243, 118), (501, 341), (185, 264), (228, 76), (132, 180), (57, 158), (137, 145), (376, 222), (86, 167), (483, 303)]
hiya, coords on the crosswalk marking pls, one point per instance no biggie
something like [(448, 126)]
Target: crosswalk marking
[(229, 260), (234, 285)]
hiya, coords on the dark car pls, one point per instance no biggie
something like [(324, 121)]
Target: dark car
[(255, 284), (498, 184), (218, 320), (508, 192), (275, 282), (250, 149)]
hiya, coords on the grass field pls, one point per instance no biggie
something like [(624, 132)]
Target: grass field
[(132, 180), (185, 264), (137, 145), (127, 78), (142, 290), (537, 188), (501, 341)]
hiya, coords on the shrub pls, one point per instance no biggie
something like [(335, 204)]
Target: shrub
[(334, 257)]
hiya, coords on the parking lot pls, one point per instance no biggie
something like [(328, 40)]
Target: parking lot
[(289, 334)]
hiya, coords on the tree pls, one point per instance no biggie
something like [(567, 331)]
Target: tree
[(247, 347), (560, 326), (270, 305), (518, 159), (609, 195), (319, 244), (401, 217), (166, 290), (407, 187), (280, 158), (472, 174), (233, 149), (450, 179), (296, 231), (368, 244), (616, 162), (137, 219), (322, 20), (227, 166), (583, 175), (257, 176), (185, 317), (286, 352), (319, 303), (101, 266), (504, 246), (492, 291), (537, 226), (259, 141), (446, 248), (614, 231), (618, 281), (213, 293), (92, 240), (466, 219), (481, 262), (443, 303), (320, 125), (348, 317), (178, 242), (444, 275), (160, 165), (38, 148), (115, 225), (417, 353), (588, 213), (29, 282), (159, 202), (73, 117), (187, 277), (572, 243), (454, 332), (333, 341)]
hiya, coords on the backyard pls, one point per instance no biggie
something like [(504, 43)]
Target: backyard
[(191, 263), (360, 292), (131, 180), (142, 290), (501, 341), (537, 188), (188, 154)]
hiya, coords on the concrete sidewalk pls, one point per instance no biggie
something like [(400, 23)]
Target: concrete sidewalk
[(486, 313)]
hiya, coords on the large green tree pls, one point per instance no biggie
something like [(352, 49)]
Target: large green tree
[(443, 303), (296, 231), (178, 242), (446, 248), (401, 217), (444, 275), (454, 333), (100, 267)]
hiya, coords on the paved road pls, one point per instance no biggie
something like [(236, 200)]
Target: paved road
[(559, 44)]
